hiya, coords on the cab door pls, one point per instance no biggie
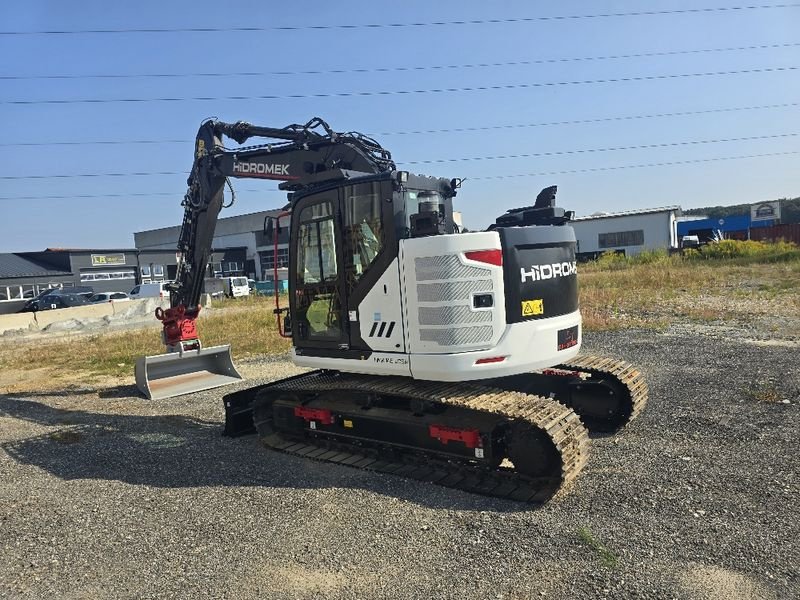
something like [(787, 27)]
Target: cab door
[(315, 283), (370, 269)]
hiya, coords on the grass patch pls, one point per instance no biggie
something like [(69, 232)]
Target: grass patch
[(653, 289), (768, 394), (606, 556), (249, 327)]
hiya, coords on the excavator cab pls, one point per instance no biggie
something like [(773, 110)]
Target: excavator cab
[(344, 244)]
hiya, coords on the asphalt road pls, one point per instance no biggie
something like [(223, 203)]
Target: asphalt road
[(106, 495)]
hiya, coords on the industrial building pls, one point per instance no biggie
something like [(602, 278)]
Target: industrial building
[(627, 232), (734, 227), (243, 246), (24, 275)]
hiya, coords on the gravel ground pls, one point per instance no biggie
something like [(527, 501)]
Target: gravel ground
[(106, 495)]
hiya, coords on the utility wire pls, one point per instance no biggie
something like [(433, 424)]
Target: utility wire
[(445, 130), (481, 88), (518, 63), (177, 195), (446, 160), (483, 177), (641, 13), (589, 121), (609, 149), (639, 166)]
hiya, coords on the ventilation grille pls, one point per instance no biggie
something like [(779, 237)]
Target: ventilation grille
[(457, 337), (450, 315), (452, 291), (446, 267)]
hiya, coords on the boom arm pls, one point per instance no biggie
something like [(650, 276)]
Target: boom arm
[(303, 156)]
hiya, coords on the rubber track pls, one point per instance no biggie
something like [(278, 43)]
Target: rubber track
[(624, 372), (559, 423)]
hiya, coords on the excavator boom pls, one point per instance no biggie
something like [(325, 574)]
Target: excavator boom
[(299, 156)]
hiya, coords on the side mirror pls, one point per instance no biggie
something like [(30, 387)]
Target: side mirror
[(271, 227), (287, 324)]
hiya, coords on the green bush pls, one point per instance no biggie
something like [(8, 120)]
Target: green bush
[(648, 257), (611, 260), (748, 249), (738, 251)]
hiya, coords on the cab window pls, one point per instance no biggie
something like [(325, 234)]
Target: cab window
[(363, 230), (316, 260), (318, 305)]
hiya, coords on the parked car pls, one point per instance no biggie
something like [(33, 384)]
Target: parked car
[(82, 291), (109, 297), (150, 290), (52, 301)]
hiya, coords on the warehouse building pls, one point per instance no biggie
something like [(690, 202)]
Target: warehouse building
[(243, 247), (627, 232), (24, 275)]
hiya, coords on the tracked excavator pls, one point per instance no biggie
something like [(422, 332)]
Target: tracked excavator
[(436, 354)]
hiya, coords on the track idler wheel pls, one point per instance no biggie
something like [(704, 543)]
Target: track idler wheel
[(532, 452)]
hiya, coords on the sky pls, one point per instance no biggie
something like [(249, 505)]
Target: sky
[(621, 111)]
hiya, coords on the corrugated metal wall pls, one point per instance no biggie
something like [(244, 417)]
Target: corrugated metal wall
[(789, 232)]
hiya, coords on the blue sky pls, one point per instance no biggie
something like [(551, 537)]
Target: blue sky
[(121, 205)]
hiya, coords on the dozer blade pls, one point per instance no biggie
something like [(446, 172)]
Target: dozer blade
[(177, 373)]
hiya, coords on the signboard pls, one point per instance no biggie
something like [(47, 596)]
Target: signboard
[(766, 211), (105, 260)]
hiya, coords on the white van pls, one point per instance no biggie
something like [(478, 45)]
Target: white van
[(232, 287), (238, 287), (150, 290)]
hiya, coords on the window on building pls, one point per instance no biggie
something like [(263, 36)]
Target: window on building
[(621, 238), (267, 258), (99, 276), (145, 269), (158, 270), (234, 267)]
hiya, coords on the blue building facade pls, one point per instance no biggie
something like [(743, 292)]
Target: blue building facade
[(735, 226)]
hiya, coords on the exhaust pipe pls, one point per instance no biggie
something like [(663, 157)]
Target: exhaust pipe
[(186, 372)]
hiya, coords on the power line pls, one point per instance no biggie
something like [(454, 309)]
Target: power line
[(481, 88), (243, 29), (84, 175), (482, 177), (402, 69), (176, 195), (445, 160), (589, 121), (639, 166), (447, 130), (608, 149)]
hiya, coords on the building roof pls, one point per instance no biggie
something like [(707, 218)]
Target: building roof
[(13, 265), (71, 250), (631, 213)]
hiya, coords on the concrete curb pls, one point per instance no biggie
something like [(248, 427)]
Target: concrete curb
[(36, 321)]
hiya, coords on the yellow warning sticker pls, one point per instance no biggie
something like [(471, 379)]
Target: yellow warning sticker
[(532, 307), (348, 423)]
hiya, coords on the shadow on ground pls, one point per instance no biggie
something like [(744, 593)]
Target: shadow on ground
[(174, 451)]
